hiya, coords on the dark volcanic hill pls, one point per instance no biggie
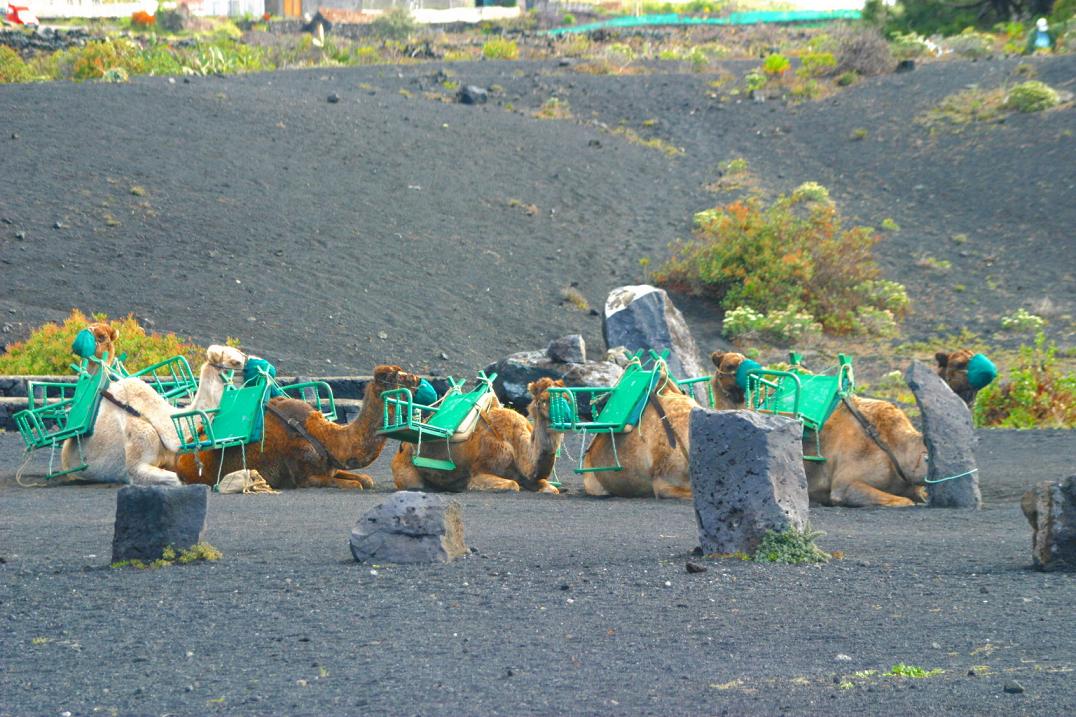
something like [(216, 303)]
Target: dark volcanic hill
[(391, 226)]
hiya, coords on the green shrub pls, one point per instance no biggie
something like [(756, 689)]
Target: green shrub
[(568, 19), (847, 78), (1037, 393), (791, 546), (500, 48), (1022, 320), (169, 557), (817, 64), (781, 326), (862, 50), (913, 671), (971, 44), (908, 45), (754, 81), (12, 67), (394, 24), (776, 65), (1033, 96), (48, 349), (794, 252)]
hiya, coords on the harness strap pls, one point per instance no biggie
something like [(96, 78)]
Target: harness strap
[(872, 433), (125, 406), (669, 430), (299, 429)]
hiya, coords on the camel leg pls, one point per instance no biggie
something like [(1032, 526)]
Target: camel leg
[(145, 474), (545, 486), (490, 482), (592, 486), (858, 494), (665, 489), (404, 475), (339, 479)]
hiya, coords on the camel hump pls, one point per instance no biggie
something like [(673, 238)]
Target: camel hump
[(292, 408)]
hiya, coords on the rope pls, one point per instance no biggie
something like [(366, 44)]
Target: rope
[(958, 475), (18, 473)]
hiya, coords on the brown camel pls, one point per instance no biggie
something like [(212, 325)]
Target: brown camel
[(654, 454), (290, 460), (503, 453), (856, 471), (105, 335), (953, 367)]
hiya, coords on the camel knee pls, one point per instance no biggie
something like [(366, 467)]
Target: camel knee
[(858, 494), (664, 489)]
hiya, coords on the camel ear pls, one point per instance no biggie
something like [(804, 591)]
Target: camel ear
[(559, 382), (214, 354), (942, 358), (716, 357), (114, 332)]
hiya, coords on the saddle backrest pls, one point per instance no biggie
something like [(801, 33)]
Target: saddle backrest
[(626, 397), (239, 410), (455, 408), (85, 399)]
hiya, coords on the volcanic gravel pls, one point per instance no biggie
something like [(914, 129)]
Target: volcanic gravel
[(568, 605)]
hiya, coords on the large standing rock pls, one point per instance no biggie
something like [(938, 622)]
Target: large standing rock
[(152, 518), (644, 317), (410, 527), (747, 477), (950, 440), (1050, 507), (557, 361)]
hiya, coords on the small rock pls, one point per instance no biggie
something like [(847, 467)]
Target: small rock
[(696, 568), (14, 135), (471, 95), (565, 586), (697, 551), (58, 225), (1013, 687), (971, 673), (935, 645), (841, 657), (334, 98), (983, 590), (382, 335), (20, 235), (302, 683), (410, 527), (444, 356), (595, 143), (906, 66)]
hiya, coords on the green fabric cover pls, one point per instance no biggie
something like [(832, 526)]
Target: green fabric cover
[(84, 345), (425, 394), (981, 371), (741, 373), (255, 366)]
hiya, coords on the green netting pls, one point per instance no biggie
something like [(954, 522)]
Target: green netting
[(737, 18)]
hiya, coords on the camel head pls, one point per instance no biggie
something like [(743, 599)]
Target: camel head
[(388, 377), (965, 373), (539, 391), (727, 364), (225, 358), (105, 336)]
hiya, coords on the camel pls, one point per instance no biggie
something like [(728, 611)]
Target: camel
[(288, 459), (654, 454), (856, 472), (953, 366), (105, 337), (141, 449), (504, 453)]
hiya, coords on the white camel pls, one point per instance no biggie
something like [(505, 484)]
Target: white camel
[(141, 449)]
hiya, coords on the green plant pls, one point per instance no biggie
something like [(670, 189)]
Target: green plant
[(1032, 96), (889, 225), (169, 557), (817, 64), (573, 297), (499, 48), (859, 134), (1038, 394), (912, 671), (971, 44), (568, 19), (941, 266), (48, 349), (847, 78), (971, 105), (780, 326), (754, 81), (794, 252), (776, 65), (554, 108), (908, 45), (1022, 320), (394, 24), (791, 546), (12, 67), (884, 294), (736, 165)]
